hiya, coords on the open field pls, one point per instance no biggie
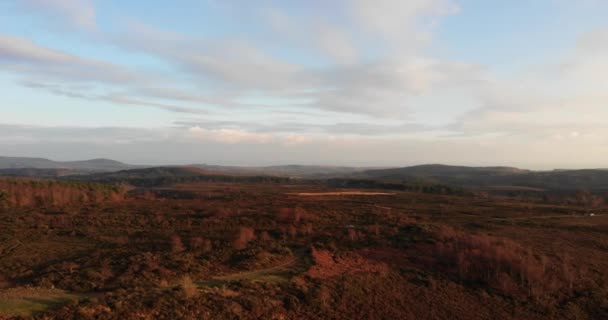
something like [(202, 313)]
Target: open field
[(341, 193), (250, 251)]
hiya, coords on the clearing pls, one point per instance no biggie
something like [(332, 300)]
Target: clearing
[(341, 193), (279, 273), (27, 301)]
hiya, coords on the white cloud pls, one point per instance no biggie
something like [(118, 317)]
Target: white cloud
[(243, 66), (295, 140), (404, 25), (550, 99), (20, 49), (381, 86), (123, 100), (336, 43), (374, 64), (313, 35), (229, 135), (23, 56), (175, 145)]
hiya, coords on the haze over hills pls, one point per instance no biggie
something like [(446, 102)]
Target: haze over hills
[(592, 179), (462, 176), (10, 164), (441, 172), (40, 173), (99, 164), (296, 171)]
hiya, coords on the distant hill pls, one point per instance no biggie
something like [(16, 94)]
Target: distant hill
[(590, 179), (39, 173), (42, 163), (440, 169), (494, 178), (159, 176), (294, 171), (444, 173), (107, 165), (153, 173)]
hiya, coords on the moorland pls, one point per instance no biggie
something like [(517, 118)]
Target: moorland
[(202, 243)]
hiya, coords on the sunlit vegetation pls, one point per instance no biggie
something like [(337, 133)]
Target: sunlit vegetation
[(75, 250)]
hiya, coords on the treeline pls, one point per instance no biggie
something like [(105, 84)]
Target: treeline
[(398, 186), (161, 181), (29, 193), (163, 176), (157, 181)]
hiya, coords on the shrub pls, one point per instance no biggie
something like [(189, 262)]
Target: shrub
[(202, 244), (306, 229), (289, 215), (176, 244), (196, 243), (243, 236), (188, 287), (293, 215), (264, 236), (499, 263)]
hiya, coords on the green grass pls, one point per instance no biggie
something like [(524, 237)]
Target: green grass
[(271, 276), (281, 273), (29, 302)]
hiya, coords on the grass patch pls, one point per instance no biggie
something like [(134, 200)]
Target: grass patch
[(269, 276), (30, 301)]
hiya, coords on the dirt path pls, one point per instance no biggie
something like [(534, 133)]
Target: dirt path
[(279, 273)]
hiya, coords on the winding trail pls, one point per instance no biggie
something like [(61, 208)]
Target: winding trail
[(279, 273)]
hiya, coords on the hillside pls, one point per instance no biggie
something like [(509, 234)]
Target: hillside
[(207, 250), (42, 193), (157, 176), (442, 173), (590, 179), (108, 165), (107, 170), (295, 171), (40, 173)]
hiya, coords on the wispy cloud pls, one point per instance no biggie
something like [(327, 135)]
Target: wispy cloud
[(380, 87), (317, 73), (23, 56), (80, 13)]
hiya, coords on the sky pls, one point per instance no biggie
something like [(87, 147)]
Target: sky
[(359, 83)]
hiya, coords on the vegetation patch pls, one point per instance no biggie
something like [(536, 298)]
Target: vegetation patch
[(28, 301)]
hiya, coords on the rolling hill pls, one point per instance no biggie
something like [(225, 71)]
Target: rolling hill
[(42, 163), (39, 173), (158, 176), (294, 171), (588, 179), (430, 174)]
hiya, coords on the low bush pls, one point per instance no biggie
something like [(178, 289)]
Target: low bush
[(498, 263)]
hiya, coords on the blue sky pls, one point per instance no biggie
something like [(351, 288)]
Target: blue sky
[(366, 83)]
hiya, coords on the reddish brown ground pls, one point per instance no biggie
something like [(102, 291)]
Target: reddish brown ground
[(252, 251)]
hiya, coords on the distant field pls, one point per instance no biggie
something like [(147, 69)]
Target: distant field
[(341, 193), (513, 188)]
